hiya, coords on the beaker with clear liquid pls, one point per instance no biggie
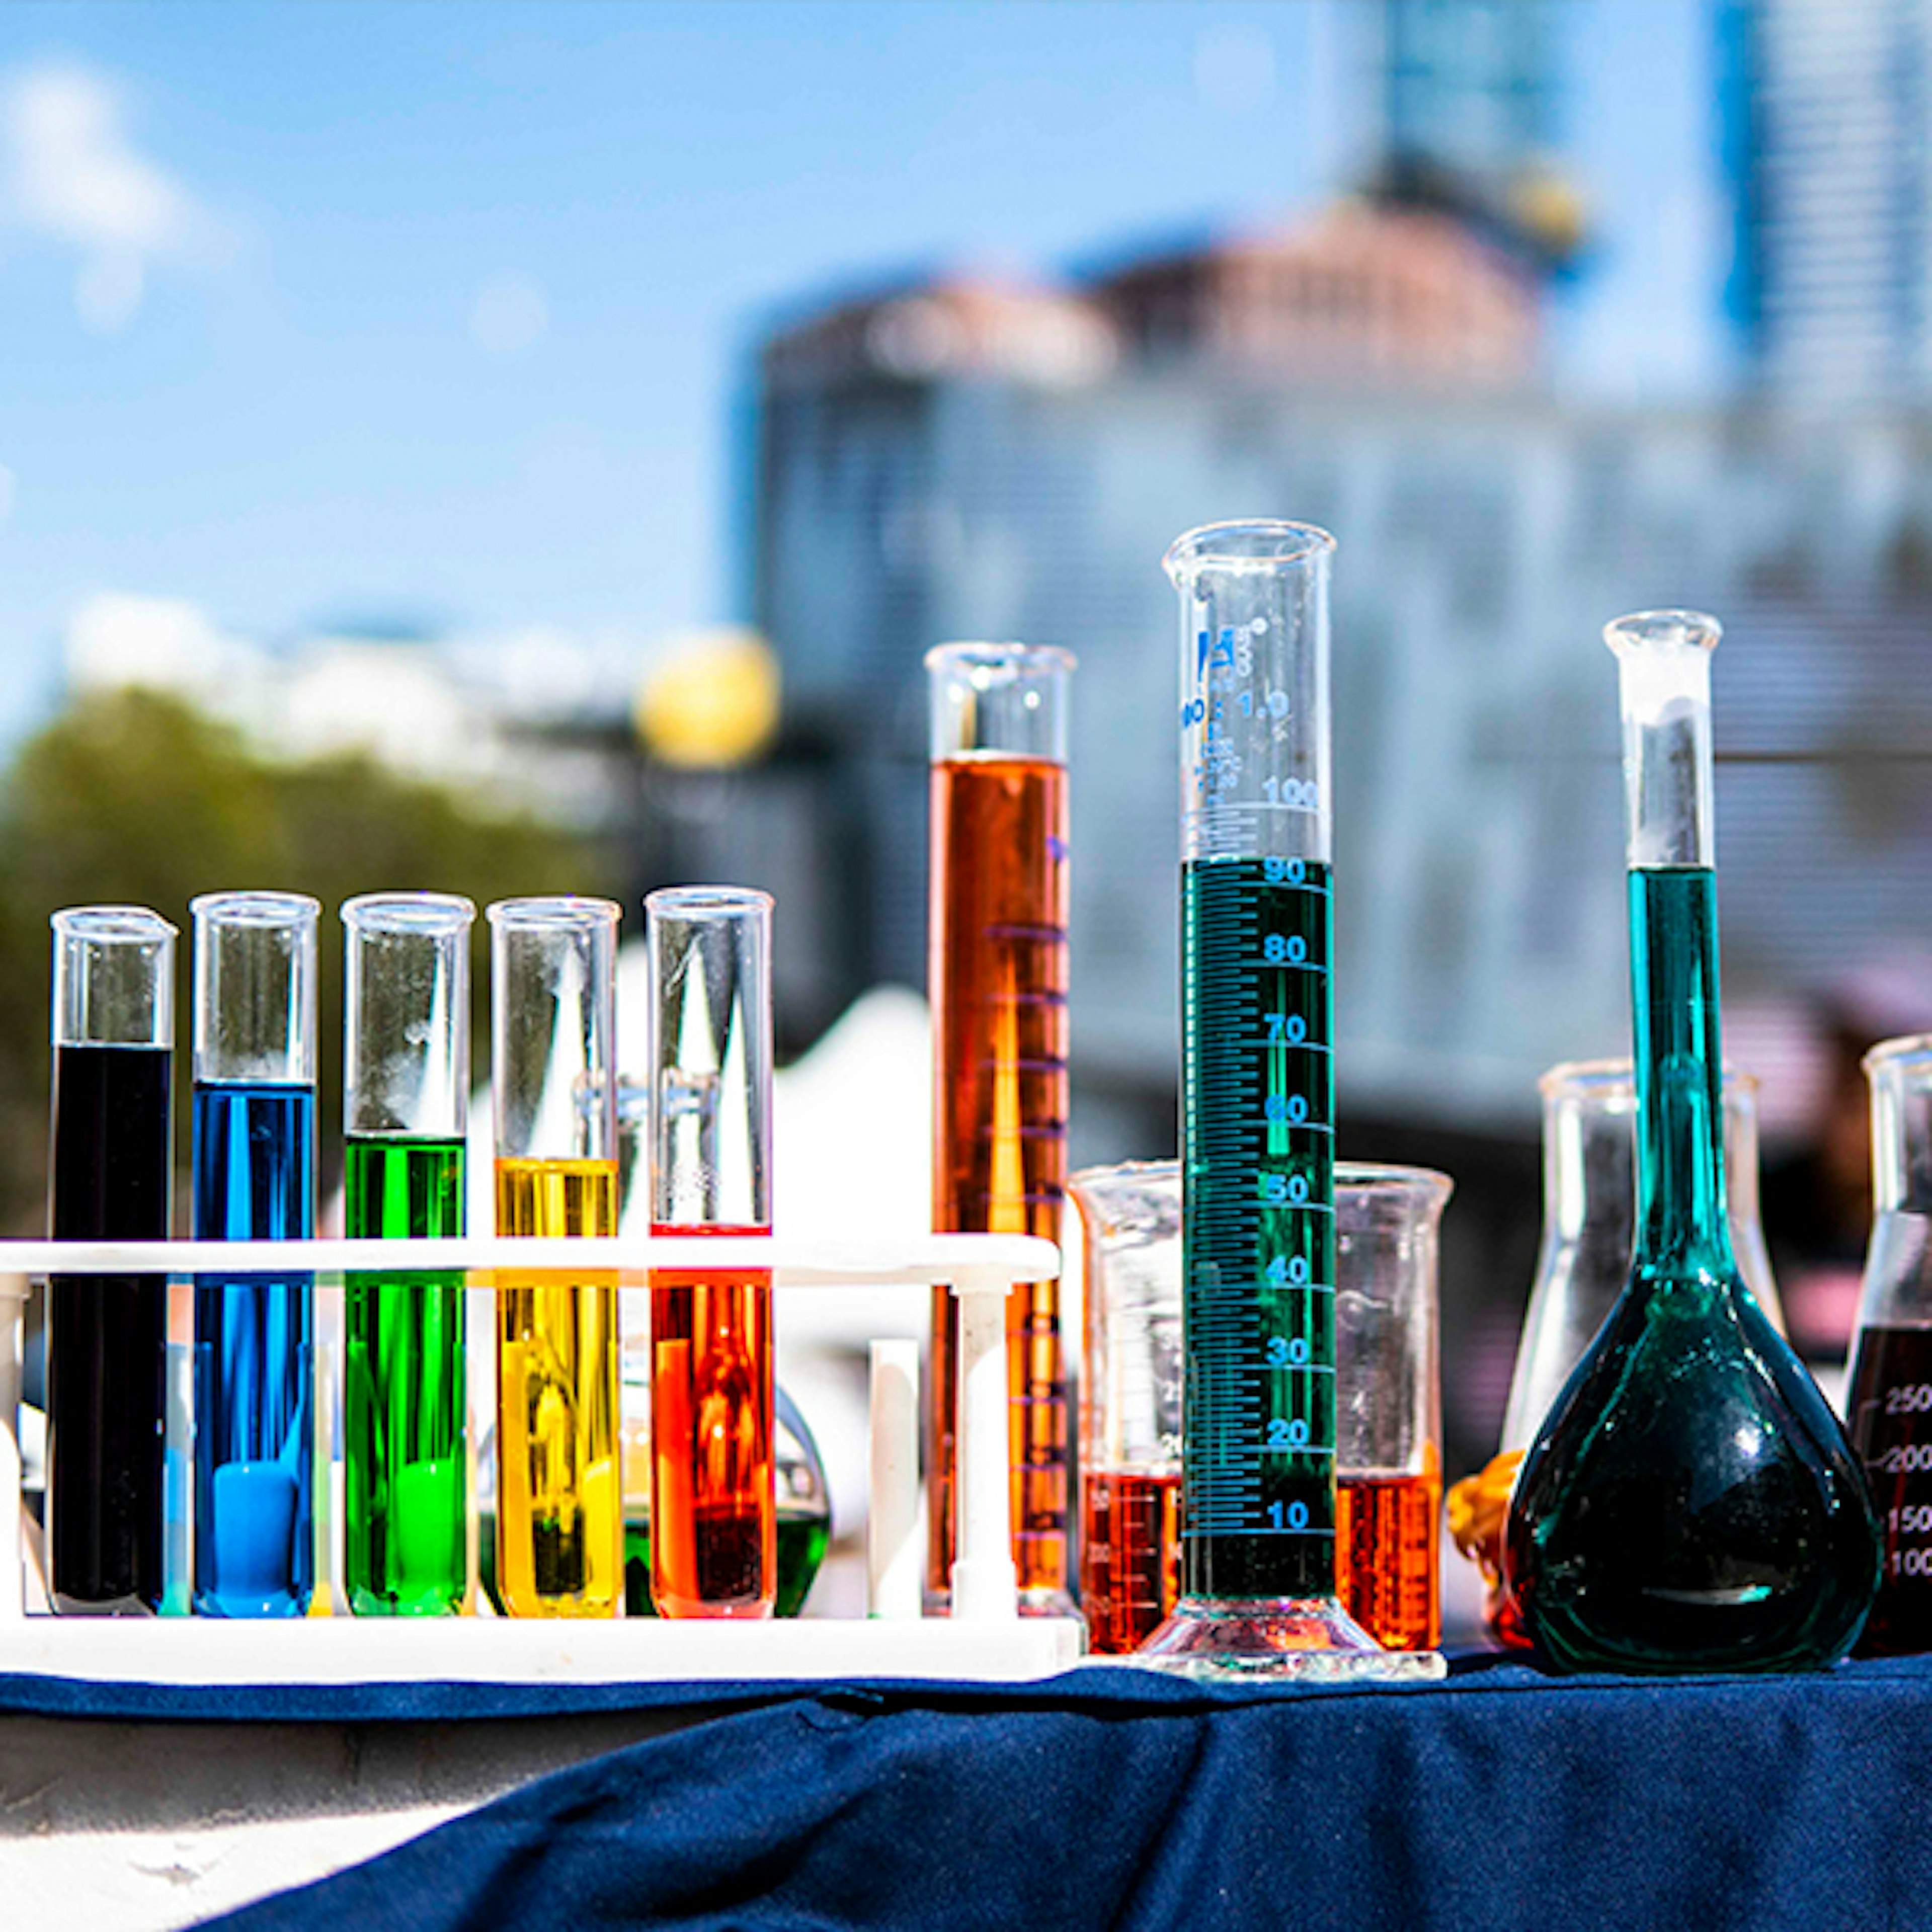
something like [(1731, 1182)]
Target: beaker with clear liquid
[(1388, 1400), (1690, 1502), (1890, 1404)]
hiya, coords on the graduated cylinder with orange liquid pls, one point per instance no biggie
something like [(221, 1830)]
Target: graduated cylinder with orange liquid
[(714, 1500), (997, 981), (560, 1508)]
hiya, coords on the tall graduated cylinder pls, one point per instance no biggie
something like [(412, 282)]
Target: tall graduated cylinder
[(997, 978), (254, 1180), (714, 1526), (560, 1511), (405, 1105), (111, 1175)]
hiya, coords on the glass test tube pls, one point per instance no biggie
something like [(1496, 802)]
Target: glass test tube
[(405, 1115), (559, 1507), (111, 1179), (254, 1180), (997, 980), (1257, 1092), (714, 1547)]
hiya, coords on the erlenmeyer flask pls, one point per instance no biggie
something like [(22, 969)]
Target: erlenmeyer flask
[(1589, 1215), (1891, 1400), (1690, 1503)]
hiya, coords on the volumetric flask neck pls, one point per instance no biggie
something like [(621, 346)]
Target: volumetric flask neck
[(1589, 1213)]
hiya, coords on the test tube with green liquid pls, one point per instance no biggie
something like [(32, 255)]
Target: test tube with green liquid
[(405, 1113)]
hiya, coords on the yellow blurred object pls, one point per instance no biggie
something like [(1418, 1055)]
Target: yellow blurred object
[(712, 700), (1478, 1512)]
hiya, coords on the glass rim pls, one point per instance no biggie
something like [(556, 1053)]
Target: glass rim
[(1379, 1176), (113, 925), (1619, 1075), (433, 915), (554, 912), (1897, 1052), (707, 902), (266, 910), (1020, 660), (1664, 630), (1250, 543)]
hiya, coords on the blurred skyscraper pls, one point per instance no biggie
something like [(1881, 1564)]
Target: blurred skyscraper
[(1469, 85), (1825, 106)]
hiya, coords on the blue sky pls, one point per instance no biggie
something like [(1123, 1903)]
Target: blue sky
[(322, 310)]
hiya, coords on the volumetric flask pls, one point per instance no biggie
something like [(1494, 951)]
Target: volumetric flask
[(254, 1181), (1257, 1119), (405, 1118), (1891, 1398), (111, 1178), (714, 1526), (1388, 1400), (1589, 1214), (998, 982), (1690, 1502), (559, 1505)]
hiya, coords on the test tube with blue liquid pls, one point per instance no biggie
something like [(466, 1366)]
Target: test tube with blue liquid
[(254, 1181)]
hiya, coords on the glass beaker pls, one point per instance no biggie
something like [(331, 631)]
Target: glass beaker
[(997, 983), (1388, 1400), (111, 1175), (1690, 1502), (1129, 1401), (1891, 1380), (1589, 1213)]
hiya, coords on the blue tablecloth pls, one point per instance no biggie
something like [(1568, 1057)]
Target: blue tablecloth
[(1501, 1799)]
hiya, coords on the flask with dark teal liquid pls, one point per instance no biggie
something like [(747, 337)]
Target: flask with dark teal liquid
[(1690, 1502)]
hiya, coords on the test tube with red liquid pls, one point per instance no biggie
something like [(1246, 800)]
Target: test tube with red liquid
[(714, 1525), (997, 980)]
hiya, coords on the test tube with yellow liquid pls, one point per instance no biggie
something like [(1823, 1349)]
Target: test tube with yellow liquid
[(560, 1515)]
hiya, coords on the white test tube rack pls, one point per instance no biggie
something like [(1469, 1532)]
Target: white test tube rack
[(984, 1638)]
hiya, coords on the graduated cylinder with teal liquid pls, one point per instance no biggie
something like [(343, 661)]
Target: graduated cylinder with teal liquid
[(1690, 1502), (405, 1111)]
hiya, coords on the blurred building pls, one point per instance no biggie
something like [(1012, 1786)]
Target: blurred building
[(1825, 106), (986, 489)]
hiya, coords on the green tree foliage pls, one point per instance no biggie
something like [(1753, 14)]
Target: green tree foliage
[(132, 797)]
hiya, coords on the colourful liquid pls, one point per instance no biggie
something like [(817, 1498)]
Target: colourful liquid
[(1387, 1531), (998, 979), (1690, 1503), (405, 1462), (1258, 1238), (714, 1547), (254, 1434), (113, 1160), (1891, 1431), (1130, 1555), (559, 1512), (803, 1537)]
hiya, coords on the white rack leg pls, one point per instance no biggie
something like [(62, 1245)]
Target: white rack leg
[(985, 1586), (12, 1555), (893, 1552)]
